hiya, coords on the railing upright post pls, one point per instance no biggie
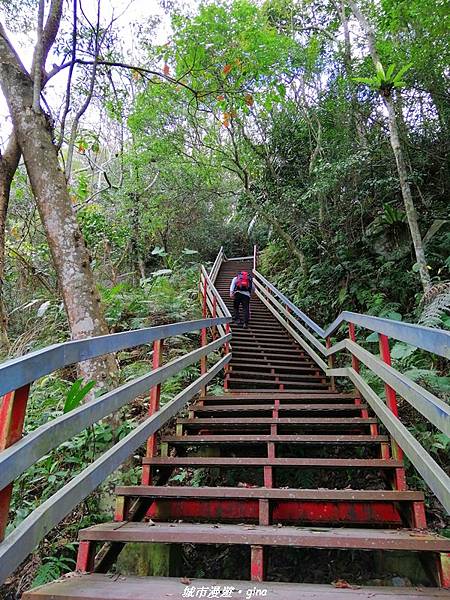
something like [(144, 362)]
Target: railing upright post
[(214, 314), (13, 407), (203, 338), (255, 257), (364, 412), (391, 396), (155, 396), (331, 363), (227, 351)]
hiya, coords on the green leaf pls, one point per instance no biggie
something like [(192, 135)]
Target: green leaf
[(402, 71), (76, 394), (368, 80), (373, 337), (390, 71), (401, 350)]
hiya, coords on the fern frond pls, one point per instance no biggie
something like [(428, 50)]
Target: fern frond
[(436, 303)]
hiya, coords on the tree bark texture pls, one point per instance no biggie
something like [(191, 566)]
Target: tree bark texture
[(69, 252), (397, 149), (8, 165)]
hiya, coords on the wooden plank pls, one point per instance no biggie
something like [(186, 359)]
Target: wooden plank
[(319, 463), (279, 439), (282, 408), (269, 494), (217, 421), (300, 537), (95, 586)]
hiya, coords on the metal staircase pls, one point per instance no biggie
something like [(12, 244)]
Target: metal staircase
[(281, 413)]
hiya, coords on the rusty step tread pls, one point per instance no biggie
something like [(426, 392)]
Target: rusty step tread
[(317, 537), (268, 493), (278, 439), (243, 461), (263, 400), (261, 360), (96, 586), (300, 384), (218, 421), (263, 364), (285, 375), (300, 388), (283, 407), (283, 395), (256, 345)]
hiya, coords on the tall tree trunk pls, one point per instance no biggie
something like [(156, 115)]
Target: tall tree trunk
[(8, 165), (69, 252), (399, 155)]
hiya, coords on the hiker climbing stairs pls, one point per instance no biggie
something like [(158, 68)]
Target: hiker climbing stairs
[(312, 467)]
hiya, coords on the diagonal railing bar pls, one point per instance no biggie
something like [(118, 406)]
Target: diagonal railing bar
[(24, 453), (224, 312), (23, 540), (436, 411), (20, 371), (427, 338), (430, 406), (432, 473), (216, 265)]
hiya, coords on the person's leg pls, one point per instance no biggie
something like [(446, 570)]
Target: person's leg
[(236, 302), (246, 309)]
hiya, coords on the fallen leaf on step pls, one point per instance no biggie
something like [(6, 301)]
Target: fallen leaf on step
[(185, 581), (341, 583)]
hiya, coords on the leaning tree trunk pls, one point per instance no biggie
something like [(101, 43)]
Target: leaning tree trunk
[(398, 153), (69, 252), (8, 165)]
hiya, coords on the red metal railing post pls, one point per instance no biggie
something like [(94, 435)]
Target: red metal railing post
[(155, 396), (214, 314), (364, 412), (330, 362), (13, 407), (227, 351), (391, 396), (203, 337)]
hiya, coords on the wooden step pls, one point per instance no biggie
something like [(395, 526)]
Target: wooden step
[(299, 537), (262, 493), (200, 423), (193, 440), (96, 586), (238, 364), (281, 395), (296, 383), (244, 461), (307, 407)]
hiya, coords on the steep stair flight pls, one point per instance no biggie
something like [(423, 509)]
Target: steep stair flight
[(313, 467)]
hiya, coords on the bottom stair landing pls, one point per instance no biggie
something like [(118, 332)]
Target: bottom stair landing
[(116, 587)]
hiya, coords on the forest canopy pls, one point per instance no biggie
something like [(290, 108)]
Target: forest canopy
[(318, 130)]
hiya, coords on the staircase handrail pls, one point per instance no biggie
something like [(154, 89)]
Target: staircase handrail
[(426, 338), (222, 309), (18, 453), (217, 264), (435, 410)]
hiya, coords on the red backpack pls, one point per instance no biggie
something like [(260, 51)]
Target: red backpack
[(244, 281)]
